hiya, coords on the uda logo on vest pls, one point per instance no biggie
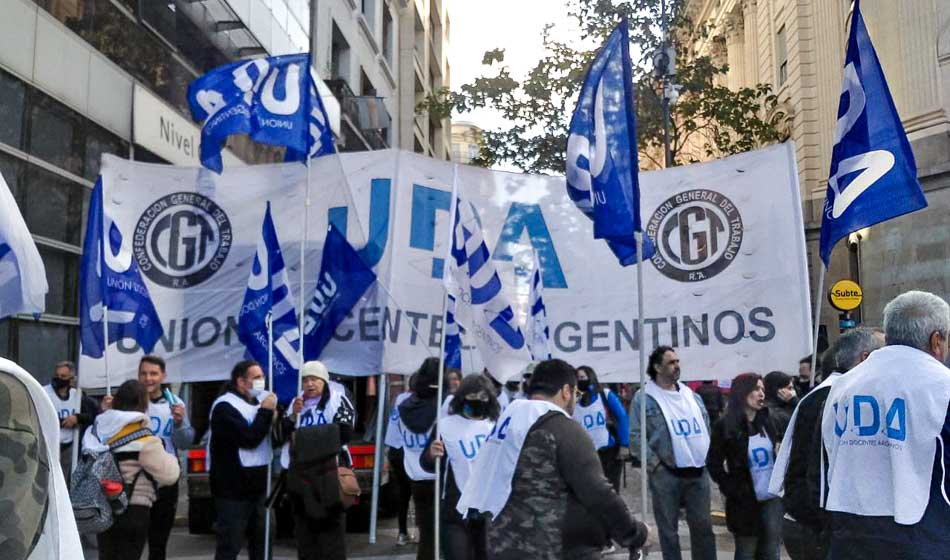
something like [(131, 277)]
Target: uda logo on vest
[(697, 235), (181, 240)]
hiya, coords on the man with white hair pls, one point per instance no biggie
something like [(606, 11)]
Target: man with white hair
[(886, 432)]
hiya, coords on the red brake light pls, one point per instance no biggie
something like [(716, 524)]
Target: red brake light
[(196, 461)]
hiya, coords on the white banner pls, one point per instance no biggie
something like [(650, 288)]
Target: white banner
[(728, 287)]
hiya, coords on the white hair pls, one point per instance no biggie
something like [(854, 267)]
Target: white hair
[(912, 317)]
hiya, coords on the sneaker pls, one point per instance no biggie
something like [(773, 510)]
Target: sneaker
[(403, 539), (609, 550)]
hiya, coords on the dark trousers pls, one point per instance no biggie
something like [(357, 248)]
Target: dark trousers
[(403, 488), (768, 544), (802, 542), (66, 460), (126, 538), (612, 465), (238, 520), (163, 519), (465, 541), (423, 496), (320, 540), (668, 491)]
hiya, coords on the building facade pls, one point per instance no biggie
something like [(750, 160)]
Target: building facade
[(467, 142), (798, 47), (79, 78)]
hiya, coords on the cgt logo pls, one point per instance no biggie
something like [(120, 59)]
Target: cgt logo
[(697, 235), (181, 240)]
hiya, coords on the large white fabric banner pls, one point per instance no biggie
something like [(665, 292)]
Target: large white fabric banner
[(728, 286)]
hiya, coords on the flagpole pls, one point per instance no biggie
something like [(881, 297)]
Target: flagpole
[(303, 250), (814, 353), (638, 235), (378, 453), (438, 417), (270, 464), (104, 289)]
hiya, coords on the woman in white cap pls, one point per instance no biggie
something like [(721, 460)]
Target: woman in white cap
[(321, 402)]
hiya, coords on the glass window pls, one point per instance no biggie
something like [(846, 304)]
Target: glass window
[(98, 142), (41, 345), (62, 275), (55, 133), (388, 36), (53, 206), (12, 168), (781, 56), (12, 99), (5, 338)]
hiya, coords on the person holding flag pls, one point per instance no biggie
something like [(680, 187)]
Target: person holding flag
[(603, 417)]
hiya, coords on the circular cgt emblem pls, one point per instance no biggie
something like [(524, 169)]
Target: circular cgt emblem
[(697, 234), (181, 240)]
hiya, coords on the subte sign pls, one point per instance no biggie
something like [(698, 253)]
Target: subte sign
[(845, 295)]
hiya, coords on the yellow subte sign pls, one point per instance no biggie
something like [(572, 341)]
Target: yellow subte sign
[(845, 295)]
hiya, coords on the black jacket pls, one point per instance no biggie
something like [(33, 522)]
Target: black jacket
[(230, 432), (418, 414), (780, 414), (802, 478), (728, 464)]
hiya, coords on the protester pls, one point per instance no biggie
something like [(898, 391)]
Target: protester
[(797, 469), (603, 417), (144, 464), (781, 400), (741, 458), (240, 451), (397, 471), (75, 412), (453, 378), (677, 442), (803, 382), (540, 479), (712, 399), (417, 415), (886, 431), (168, 418), (320, 403), (472, 416)]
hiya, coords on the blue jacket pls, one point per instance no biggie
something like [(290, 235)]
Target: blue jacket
[(619, 416)]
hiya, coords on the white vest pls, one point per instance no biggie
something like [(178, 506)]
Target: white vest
[(261, 455), (162, 423), (64, 409), (688, 431), (777, 483), (393, 430), (462, 439), (594, 420), (761, 462), (489, 484), (313, 416), (412, 446), (880, 427)]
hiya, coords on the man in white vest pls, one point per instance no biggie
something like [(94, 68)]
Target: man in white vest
[(886, 432), (539, 478), (677, 443), (75, 411), (168, 416), (240, 451)]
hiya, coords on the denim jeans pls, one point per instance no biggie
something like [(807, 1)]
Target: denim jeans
[(236, 521), (668, 492), (768, 545)]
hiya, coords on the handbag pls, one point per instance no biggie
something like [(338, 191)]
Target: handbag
[(349, 486)]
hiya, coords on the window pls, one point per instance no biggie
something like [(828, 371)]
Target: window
[(781, 56), (41, 345), (388, 37), (12, 168), (98, 142), (12, 103), (366, 86), (62, 275), (56, 134), (339, 56), (52, 206), (368, 7)]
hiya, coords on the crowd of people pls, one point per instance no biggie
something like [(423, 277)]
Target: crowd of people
[(851, 464)]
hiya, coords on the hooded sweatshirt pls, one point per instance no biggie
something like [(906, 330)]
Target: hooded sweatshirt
[(144, 454)]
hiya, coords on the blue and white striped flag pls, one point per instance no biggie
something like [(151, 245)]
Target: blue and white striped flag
[(23, 285), (472, 278), (539, 336), (453, 336), (268, 293)]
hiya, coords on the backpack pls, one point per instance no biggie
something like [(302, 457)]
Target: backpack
[(97, 490)]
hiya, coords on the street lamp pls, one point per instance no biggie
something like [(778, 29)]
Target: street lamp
[(664, 69)]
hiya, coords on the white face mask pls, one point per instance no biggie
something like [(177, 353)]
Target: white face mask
[(257, 387)]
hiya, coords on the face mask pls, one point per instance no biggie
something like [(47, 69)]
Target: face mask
[(583, 384), (474, 409), (257, 387), (59, 384)]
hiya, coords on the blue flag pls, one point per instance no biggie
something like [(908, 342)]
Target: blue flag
[(268, 293), (274, 100), (539, 335), (602, 161), (453, 336), (110, 277), (873, 174), (23, 285), (343, 280)]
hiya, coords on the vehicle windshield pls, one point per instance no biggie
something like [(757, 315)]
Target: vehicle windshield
[(24, 471)]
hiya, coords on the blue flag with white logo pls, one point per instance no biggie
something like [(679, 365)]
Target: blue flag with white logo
[(110, 277), (268, 293), (23, 285), (873, 175), (602, 161), (343, 280), (274, 100), (453, 336), (539, 335)]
